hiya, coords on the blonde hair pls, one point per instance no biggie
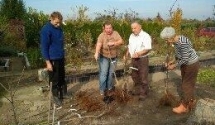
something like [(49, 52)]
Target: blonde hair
[(57, 15)]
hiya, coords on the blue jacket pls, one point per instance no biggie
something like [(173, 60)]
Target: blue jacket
[(52, 42)]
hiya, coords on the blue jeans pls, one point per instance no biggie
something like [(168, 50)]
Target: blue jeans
[(106, 70)]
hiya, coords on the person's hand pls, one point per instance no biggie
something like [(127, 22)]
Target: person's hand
[(110, 43), (135, 55), (96, 56), (49, 67), (171, 66), (171, 62), (125, 58)]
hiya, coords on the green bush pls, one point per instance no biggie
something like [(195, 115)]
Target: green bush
[(7, 51), (206, 76), (35, 58)]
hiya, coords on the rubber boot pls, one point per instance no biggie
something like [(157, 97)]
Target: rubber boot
[(64, 92), (55, 96), (180, 109)]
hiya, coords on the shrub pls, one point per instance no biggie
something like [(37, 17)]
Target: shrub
[(206, 76), (35, 58), (7, 51)]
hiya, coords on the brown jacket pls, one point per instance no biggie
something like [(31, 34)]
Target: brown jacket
[(106, 51)]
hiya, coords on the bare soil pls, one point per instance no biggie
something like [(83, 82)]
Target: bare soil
[(86, 107)]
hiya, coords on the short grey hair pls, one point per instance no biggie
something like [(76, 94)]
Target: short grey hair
[(167, 32)]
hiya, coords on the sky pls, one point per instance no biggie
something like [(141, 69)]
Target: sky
[(192, 9)]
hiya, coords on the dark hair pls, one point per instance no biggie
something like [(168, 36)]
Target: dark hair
[(56, 14)]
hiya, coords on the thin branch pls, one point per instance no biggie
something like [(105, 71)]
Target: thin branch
[(82, 117), (7, 98), (170, 10), (22, 74), (4, 87)]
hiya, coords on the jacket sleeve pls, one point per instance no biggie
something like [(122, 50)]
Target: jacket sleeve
[(45, 43)]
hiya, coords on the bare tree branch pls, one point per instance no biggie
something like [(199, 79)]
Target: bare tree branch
[(170, 10)]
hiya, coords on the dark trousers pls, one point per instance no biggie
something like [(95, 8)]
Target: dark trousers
[(140, 77), (57, 77), (189, 76)]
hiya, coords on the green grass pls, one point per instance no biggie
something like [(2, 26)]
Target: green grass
[(206, 76)]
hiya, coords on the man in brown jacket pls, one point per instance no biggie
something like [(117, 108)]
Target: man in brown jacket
[(107, 47)]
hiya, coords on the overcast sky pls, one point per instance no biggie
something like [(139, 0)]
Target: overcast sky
[(192, 9)]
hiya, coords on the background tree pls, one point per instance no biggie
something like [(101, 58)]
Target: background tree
[(13, 12), (34, 20), (12, 9), (176, 19)]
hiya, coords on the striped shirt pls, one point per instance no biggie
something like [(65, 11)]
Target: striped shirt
[(185, 52)]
